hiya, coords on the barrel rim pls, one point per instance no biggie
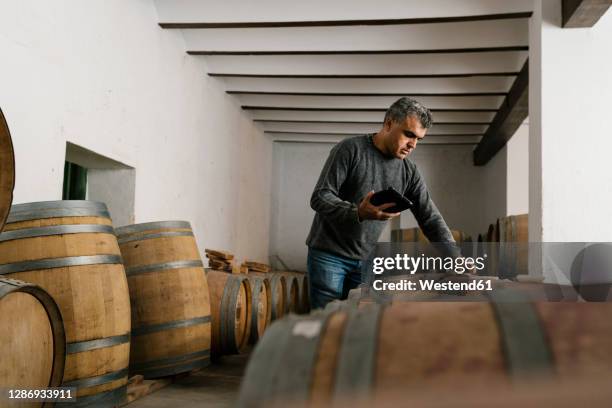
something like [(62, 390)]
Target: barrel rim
[(57, 209), (52, 263), (260, 281), (56, 322), (64, 229), (164, 266), (135, 228), (228, 306), (57, 204), (7, 142)]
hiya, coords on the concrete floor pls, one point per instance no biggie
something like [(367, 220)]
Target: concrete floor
[(215, 386)]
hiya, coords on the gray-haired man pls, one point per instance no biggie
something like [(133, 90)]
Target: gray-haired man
[(346, 225)]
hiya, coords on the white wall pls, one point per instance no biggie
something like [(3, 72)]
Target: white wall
[(460, 190), (517, 171), (103, 75), (297, 166), (494, 190), (570, 193), (569, 110)]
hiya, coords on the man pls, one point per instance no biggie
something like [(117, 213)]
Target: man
[(346, 226)]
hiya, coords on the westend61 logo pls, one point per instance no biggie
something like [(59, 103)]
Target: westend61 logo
[(422, 263)]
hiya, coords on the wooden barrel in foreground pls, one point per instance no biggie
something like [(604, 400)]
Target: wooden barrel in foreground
[(69, 249), (358, 352), (230, 305), (171, 323), (278, 290), (261, 306), (7, 170), (32, 338)]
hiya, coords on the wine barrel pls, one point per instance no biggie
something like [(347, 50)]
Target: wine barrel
[(514, 247), (261, 306), (7, 170), (326, 356), (230, 305), (278, 289), (292, 293), (303, 296), (69, 249), (491, 248), (32, 336), (171, 323), (304, 290)]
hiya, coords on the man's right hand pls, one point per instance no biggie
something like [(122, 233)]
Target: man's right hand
[(368, 211)]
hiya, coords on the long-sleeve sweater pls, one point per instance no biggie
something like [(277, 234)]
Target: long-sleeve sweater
[(355, 167)]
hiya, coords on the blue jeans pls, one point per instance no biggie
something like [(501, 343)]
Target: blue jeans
[(331, 276)]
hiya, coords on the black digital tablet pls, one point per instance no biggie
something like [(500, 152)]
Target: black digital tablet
[(391, 195)]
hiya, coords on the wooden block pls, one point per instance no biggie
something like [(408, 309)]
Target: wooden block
[(257, 266), (135, 380), (141, 387), (219, 254), (218, 265), (244, 269)]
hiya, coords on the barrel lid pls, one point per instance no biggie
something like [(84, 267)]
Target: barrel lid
[(148, 226), (60, 208)]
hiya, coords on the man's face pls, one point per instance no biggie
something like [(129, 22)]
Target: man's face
[(404, 136)]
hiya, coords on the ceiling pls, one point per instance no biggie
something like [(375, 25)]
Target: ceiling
[(322, 70)]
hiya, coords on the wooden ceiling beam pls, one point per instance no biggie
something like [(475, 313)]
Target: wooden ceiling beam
[(583, 13), (463, 94), (371, 76), (291, 108), (510, 116), (363, 52), (358, 122)]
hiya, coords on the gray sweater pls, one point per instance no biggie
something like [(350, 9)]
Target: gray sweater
[(355, 167)]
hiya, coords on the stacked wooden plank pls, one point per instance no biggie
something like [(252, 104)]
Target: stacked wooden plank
[(253, 266), (220, 260)]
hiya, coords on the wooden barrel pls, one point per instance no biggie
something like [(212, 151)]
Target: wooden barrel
[(278, 286), (171, 323), (7, 170), (567, 393), (304, 290), (69, 249), (514, 231), (261, 306), (292, 293), (493, 233), (416, 235), (326, 356), (303, 296), (230, 305), (32, 337)]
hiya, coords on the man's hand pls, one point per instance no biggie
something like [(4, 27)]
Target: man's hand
[(368, 211)]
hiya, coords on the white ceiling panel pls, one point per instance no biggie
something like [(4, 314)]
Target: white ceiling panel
[(335, 137), (463, 117), (479, 34), (364, 64), (373, 102), (358, 128), (189, 11), (400, 86)]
